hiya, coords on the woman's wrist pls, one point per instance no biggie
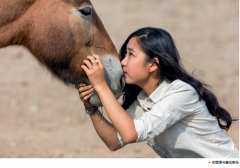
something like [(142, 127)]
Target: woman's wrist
[(91, 110), (101, 87), (88, 105)]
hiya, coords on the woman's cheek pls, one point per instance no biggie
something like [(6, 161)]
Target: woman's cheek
[(140, 75), (135, 75), (130, 76)]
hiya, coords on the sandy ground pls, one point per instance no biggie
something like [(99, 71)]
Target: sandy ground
[(40, 117)]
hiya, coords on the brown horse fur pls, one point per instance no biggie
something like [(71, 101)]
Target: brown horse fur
[(56, 33)]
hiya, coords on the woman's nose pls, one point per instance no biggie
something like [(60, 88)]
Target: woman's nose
[(124, 62)]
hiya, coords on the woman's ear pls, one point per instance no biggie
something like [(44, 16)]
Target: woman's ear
[(153, 66), (156, 60)]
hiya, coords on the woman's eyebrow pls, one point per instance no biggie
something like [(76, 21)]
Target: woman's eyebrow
[(130, 49)]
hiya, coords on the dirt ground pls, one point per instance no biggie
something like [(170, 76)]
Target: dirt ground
[(42, 118)]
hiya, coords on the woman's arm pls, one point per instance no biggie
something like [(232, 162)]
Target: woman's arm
[(104, 129), (120, 119)]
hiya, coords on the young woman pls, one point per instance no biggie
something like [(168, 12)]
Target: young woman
[(164, 106)]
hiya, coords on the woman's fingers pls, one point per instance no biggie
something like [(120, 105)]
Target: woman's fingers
[(88, 63), (80, 85), (83, 94), (96, 72), (98, 59), (92, 59), (84, 88), (87, 96), (84, 67)]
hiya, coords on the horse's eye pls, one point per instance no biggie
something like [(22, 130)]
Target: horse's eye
[(86, 11)]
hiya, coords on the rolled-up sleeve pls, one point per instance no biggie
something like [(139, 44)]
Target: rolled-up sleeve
[(121, 140), (165, 113), (130, 111)]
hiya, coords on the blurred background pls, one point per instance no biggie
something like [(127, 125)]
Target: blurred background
[(41, 117)]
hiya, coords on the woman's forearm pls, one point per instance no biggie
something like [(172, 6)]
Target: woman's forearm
[(120, 119), (106, 131)]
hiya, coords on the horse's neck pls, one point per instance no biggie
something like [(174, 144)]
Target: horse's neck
[(12, 22)]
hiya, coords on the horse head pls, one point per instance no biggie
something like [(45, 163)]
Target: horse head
[(61, 34)]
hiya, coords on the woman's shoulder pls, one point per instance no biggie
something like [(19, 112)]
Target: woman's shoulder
[(181, 85), (176, 88), (181, 90), (135, 110)]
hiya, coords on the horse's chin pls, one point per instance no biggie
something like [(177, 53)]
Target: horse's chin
[(113, 73), (68, 79), (95, 100)]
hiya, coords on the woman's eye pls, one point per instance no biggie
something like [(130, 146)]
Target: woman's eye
[(130, 54)]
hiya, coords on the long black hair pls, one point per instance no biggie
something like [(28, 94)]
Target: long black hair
[(156, 42)]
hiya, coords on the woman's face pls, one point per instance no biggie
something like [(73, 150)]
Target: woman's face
[(134, 64)]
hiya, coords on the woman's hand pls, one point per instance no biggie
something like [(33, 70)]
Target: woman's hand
[(95, 71), (85, 92)]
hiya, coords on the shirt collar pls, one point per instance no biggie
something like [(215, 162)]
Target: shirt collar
[(148, 101)]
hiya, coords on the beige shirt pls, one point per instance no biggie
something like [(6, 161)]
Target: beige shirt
[(175, 124)]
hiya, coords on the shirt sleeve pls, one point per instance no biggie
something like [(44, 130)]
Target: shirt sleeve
[(175, 106), (130, 111), (121, 140)]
